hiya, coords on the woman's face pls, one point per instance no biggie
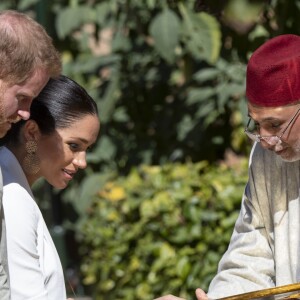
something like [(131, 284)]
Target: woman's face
[(64, 152)]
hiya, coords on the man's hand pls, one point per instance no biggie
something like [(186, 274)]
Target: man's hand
[(169, 297), (200, 294)]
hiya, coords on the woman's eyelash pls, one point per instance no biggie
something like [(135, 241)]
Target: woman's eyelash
[(73, 145)]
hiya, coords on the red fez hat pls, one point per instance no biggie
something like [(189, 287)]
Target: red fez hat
[(273, 72)]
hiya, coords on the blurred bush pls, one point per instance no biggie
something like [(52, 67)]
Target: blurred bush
[(161, 229)]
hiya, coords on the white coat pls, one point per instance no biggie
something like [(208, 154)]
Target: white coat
[(34, 266)]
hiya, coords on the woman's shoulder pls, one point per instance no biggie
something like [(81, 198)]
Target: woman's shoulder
[(12, 172), (20, 208), (18, 196)]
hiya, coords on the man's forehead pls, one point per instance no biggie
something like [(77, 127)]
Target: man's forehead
[(262, 113), (33, 85)]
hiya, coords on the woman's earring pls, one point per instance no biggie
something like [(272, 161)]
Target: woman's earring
[(31, 162)]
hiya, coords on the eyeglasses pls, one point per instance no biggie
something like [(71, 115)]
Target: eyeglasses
[(273, 139)]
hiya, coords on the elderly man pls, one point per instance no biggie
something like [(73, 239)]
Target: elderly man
[(264, 250), (28, 59)]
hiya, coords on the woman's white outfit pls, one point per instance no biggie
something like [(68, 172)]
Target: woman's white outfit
[(34, 266)]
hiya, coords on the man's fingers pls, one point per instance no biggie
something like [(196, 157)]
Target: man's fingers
[(200, 294)]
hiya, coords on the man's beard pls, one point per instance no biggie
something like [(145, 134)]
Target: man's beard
[(293, 153), (3, 118)]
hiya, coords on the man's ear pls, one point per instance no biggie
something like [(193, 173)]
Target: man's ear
[(31, 131)]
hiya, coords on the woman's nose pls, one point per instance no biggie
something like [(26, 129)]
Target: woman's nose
[(80, 160)]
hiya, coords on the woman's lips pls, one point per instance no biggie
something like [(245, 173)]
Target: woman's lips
[(69, 174)]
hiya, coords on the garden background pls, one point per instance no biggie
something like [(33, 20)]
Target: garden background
[(153, 212)]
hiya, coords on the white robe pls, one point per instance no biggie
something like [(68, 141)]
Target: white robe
[(264, 250), (34, 266)]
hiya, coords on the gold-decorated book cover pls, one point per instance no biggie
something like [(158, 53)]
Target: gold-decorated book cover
[(290, 291)]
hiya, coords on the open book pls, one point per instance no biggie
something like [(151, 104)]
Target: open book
[(290, 291)]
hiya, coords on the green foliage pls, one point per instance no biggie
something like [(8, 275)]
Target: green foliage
[(141, 60), (161, 229), (138, 60), (201, 34), (165, 31)]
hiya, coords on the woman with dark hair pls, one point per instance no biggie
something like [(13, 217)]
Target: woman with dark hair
[(52, 144)]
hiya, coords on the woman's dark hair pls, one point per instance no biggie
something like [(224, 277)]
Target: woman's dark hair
[(61, 102)]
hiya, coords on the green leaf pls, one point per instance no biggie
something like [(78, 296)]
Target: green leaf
[(24, 4), (109, 101), (185, 126), (205, 110), (197, 95), (86, 63), (102, 11), (206, 74), (243, 11), (88, 189), (236, 72), (183, 267), (121, 115), (202, 35), (71, 18), (120, 42), (106, 149), (258, 32), (165, 31)]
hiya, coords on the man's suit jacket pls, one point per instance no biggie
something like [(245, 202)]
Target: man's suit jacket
[(4, 278)]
